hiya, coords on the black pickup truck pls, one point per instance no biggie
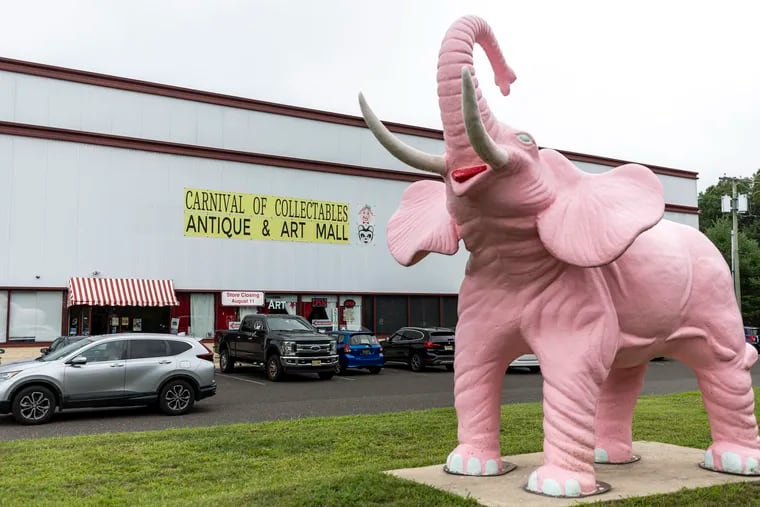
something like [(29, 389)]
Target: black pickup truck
[(281, 343)]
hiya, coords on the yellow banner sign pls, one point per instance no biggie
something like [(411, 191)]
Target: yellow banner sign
[(213, 214)]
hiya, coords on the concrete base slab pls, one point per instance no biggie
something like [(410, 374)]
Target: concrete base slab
[(664, 468)]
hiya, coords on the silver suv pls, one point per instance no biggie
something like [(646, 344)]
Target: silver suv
[(172, 372)]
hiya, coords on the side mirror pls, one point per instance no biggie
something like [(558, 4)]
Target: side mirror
[(78, 361), (45, 350)]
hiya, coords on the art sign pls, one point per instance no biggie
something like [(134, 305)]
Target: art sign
[(235, 215)]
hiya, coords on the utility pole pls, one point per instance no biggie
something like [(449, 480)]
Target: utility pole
[(735, 204)]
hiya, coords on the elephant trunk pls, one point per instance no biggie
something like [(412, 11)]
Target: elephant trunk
[(456, 52)]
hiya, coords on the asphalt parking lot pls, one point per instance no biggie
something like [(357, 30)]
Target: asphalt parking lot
[(247, 396)]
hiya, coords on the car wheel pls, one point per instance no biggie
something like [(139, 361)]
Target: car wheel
[(176, 398), (274, 368), (225, 362), (416, 363), (374, 370), (33, 405), (326, 375), (343, 368), (449, 367)]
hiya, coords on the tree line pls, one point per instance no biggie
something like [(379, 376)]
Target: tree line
[(717, 226)]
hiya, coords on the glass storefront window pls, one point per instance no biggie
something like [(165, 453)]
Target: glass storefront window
[(35, 316), (368, 312), (247, 310), (3, 315), (315, 308), (202, 315), (320, 310), (450, 315), (350, 312), (391, 313), (281, 303), (424, 311)]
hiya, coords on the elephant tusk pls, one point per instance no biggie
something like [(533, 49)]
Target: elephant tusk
[(411, 156), (484, 146)]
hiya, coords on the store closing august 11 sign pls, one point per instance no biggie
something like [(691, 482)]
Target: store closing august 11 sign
[(233, 215)]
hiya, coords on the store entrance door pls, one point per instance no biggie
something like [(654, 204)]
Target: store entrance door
[(79, 321), (99, 320)]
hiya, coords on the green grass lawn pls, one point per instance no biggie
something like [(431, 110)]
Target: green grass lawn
[(334, 461)]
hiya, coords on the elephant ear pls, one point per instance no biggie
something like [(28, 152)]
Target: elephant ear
[(422, 224), (596, 217)]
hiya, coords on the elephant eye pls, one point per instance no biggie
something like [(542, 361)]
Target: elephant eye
[(525, 138)]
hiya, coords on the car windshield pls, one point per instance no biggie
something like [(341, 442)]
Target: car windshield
[(751, 331), (63, 351), (289, 324), (363, 339), (56, 344)]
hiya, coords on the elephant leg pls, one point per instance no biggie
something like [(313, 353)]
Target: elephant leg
[(570, 400), (478, 378), (730, 403), (614, 414)]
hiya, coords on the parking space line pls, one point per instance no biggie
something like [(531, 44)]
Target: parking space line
[(345, 378), (241, 379)]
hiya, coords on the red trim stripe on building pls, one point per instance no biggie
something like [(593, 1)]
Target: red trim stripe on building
[(177, 92), (121, 292)]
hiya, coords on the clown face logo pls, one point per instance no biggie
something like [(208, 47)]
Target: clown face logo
[(366, 233), (366, 214), (366, 230)]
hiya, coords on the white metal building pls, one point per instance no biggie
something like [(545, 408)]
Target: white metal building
[(127, 205)]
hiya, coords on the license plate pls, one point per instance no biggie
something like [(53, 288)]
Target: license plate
[(316, 362), (366, 352), (448, 347)]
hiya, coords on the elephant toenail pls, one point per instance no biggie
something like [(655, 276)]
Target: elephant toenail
[(709, 463), (731, 462), (551, 487), (473, 466), (456, 464), (572, 487), (751, 467), (601, 456), (492, 467), (533, 482)]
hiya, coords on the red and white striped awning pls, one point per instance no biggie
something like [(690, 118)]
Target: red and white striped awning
[(121, 292)]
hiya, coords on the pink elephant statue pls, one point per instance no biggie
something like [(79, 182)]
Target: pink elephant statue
[(580, 269)]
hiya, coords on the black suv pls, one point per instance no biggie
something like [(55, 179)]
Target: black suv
[(420, 347)]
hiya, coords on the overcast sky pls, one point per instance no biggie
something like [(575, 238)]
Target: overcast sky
[(673, 83)]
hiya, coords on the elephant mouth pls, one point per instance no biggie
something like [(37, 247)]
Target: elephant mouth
[(465, 173)]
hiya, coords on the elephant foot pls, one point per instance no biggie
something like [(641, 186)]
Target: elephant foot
[(469, 460), (552, 480), (732, 458), (615, 455)]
